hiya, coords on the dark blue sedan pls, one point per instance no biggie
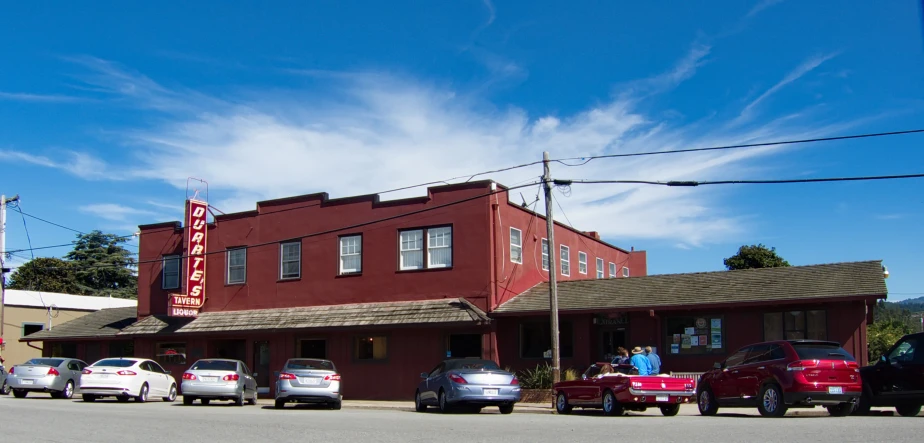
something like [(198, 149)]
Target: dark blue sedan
[(467, 382)]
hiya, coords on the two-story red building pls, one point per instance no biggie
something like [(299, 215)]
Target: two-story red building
[(384, 289)]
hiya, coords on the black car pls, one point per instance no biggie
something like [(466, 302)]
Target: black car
[(897, 379)]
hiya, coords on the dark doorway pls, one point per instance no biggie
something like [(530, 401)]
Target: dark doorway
[(261, 364), (312, 348), (610, 340), (464, 345), (233, 349)]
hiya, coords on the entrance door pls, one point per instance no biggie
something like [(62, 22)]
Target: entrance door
[(610, 340), (464, 345), (312, 348), (261, 365)]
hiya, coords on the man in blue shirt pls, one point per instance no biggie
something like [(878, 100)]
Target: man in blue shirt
[(640, 361), (654, 359)]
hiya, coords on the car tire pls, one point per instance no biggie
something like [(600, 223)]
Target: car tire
[(505, 409), (68, 392), (770, 403), (840, 410), (418, 403), (89, 398), (19, 393), (670, 410), (908, 410), (280, 403), (239, 399), (611, 407), (445, 408), (205, 401), (253, 399), (188, 401), (706, 402), (337, 405), (561, 404), (171, 395), (143, 394), (5, 389)]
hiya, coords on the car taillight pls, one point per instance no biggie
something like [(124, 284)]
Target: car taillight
[(688, 386), (457, 379), (853, 365), (231, 377), (85, 371), (335, 377), (287, 376), (188, 376), (801, 365), (126, 372), (12, 369), (53, 371), (514, 381)]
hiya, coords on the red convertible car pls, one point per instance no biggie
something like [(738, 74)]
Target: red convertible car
[(622, 390)]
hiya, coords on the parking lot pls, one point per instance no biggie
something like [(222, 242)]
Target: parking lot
[(42, 419)]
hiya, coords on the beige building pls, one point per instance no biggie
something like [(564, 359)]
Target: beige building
[(27, 312)]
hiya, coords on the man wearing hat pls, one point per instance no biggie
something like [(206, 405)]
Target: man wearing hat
[(640, 361)]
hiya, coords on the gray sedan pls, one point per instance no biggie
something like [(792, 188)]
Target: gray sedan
[(309, 380), (219, 379), (56, 376), (467, 382)]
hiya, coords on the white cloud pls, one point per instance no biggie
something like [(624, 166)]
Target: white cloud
[(761, 5), (114, 212), (80, 164), (38, 98), (804, 68)]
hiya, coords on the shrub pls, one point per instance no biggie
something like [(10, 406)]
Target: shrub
[(539, 377), (570, 375)]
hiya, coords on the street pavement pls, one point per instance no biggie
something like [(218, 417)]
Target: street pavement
[(44, 419)]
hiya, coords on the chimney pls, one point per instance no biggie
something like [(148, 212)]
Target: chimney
[(594, 234), (631, 248)]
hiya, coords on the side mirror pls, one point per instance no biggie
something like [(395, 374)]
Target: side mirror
[(583, 376), (254, 374), (167, 372), (717, 365), (424, 375)]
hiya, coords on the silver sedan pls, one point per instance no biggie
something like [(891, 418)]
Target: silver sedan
[(56, 376), (467, 382), (219, 379), (309, 380)]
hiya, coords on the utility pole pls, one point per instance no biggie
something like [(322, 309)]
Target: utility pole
[(553, 270), (3, 269)]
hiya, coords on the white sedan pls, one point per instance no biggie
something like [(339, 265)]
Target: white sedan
[(125, 378)]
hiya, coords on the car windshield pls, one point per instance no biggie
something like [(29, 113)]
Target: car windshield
[(486, 365), (311, 364), (115, 362), (821, 351), (214, 365), (55, 362)]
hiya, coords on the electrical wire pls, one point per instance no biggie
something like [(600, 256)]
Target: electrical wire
[(692, 183)]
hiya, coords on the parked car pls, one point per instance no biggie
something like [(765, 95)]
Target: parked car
[(468, 382), (126, 378), (897, 379), (55, 376), (618, 388), (775, 376), (4, 387), (309, 380), (219, 379)]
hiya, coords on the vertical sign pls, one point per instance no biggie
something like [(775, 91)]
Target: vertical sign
[(188, 305)]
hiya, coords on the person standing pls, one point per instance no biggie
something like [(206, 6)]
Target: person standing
[(654, 360), (640, 361)]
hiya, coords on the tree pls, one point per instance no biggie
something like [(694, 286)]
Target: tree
[(47, 275), (102, 266), (882, 335), (755, 256)]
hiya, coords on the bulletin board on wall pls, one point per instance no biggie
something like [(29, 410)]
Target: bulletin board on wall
[(695, 335)]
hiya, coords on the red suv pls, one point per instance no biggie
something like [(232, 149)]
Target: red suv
[(775, 376)]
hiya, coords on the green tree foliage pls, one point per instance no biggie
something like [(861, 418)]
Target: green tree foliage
[(890, 322), (46, 274), (103, 266), (755, 256)]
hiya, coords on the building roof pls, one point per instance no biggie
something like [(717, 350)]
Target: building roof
[(768, 285), (102, 323), (456, 310), (38, 299)]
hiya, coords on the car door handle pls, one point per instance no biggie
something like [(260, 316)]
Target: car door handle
[(734, 372), (762, 368)]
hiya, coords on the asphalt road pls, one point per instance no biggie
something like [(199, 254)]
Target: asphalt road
[(46, 420)]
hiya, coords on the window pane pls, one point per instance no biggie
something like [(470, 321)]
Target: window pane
[(565, 260), (171, 353), (411, 249), (236, 275), (237, 268), (582, 262), (171, 272), (599, 268), (625, 271), (516, 245), (440, 257), (291, 260), (351, 254), (545, 255), (694, 335), (411, 259), (817, 325), (370, 348), (794, 322), (612, 270), (536, 339), (440, 237), (773, 326)]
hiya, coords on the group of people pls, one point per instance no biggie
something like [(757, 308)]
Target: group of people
[(645, 360)]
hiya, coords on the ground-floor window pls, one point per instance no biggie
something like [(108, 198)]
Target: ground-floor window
[(796, 325), (312, 348), (171, 353), (536, 339), (121, 348), (463, 346), (64, 349), (692, 335), (370, 348)]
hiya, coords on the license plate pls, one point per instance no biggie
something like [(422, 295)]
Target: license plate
[(209, 379), (662, 398), (28, 382), (104, 376), (490, 392), (310, 381), (835, 390)]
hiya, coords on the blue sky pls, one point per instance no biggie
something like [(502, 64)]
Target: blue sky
[(105, 110)]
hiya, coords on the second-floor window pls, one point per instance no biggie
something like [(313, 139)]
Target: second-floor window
[(582, 262), (545, 255), (290, 260), (237, 266), (565, 261), (612, 270), (625, 271), (516, 245), (351, 254), (600, 268), (171, 272), (416, 253)]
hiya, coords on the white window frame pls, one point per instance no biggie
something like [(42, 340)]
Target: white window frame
[(282, 262), (22, 327), (582, 262), (612, 270), (429, 243), (179, 271), (425, 248), (545, 254), (516, 246), (358, 251), (625, 271), (565, 260), (228, 266), (421, 241), (601, 273)]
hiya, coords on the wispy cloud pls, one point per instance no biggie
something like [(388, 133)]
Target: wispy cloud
[(804, 68), (889, 216), (39, 98), (685, 68), (80, 164), (761, 5), (114, 212)]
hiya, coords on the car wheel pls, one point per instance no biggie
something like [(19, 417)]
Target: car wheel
[(506, 409), (253, 399), (187, 400), (171, 395), (908, 410), (840, 410), (280, 403), (864, 404), (143, 394), (5, 389), (418, 403), (561, 404), (89, 398), (205, 401), (611, 407), (771, 401), (670, 410), (68, 391), (444, 404), (239, 400), (336, 405), (706, 402), (19, 393)]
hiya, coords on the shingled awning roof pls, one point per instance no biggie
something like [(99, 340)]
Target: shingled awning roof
[(767, 285), (99, 324), (156, 325)]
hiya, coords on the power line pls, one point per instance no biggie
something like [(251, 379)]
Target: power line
[(691, 183), (588, 159), (46, 221)]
